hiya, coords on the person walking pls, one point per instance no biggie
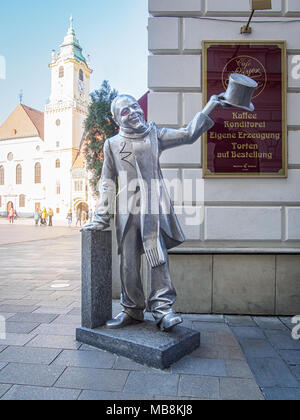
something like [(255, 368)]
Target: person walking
[(50, 216), (69, 218), (78, 217), (11, 215), (44, 217), (36, 217)]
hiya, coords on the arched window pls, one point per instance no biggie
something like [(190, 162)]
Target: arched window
[(22, 200), (57, 163), (19, 174), (1, 175), (81, 75), (61, 72), (37, 173)]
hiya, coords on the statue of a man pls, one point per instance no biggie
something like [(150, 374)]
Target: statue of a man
[(145, 219)]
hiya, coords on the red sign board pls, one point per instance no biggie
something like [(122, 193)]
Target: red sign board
[(244, 143)]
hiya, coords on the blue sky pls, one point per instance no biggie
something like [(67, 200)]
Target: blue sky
[(113, 32)]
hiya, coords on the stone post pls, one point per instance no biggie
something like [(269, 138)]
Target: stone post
[(96, 278)]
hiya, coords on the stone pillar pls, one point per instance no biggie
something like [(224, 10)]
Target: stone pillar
[(96, 278)]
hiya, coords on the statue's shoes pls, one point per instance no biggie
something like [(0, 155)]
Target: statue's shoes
[(121, 320), (169, 321)]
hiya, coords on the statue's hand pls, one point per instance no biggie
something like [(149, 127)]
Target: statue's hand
[(93, 226), (220, 100)]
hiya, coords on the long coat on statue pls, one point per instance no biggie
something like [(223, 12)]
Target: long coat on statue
[(133, 161)]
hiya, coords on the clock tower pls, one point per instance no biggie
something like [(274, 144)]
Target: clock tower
[(64, 118)]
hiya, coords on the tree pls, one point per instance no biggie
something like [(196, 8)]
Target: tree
[(99, 126)]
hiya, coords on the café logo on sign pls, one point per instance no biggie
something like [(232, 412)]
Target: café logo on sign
[(248, 66)]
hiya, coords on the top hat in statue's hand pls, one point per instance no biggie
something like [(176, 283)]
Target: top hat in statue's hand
[(239, 92)]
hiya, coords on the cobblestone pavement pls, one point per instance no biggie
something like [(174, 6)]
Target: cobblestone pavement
[(239, 358)]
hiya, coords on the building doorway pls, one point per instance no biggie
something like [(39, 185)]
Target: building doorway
[(82, 210), (37, 207), (10, 205)]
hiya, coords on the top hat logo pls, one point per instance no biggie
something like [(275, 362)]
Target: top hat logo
[(248, 66)]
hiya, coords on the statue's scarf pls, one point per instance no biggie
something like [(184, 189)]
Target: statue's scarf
[(145, 149)]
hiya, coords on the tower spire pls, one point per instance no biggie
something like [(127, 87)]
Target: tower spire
[(71, 21)]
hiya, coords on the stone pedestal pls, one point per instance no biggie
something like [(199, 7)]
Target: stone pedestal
[(144, 342), (96, 278)]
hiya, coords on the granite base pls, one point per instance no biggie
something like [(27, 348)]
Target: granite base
[(144, 343)]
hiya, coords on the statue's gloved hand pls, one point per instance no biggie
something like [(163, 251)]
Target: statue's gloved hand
[(94, 226), (220, 100)]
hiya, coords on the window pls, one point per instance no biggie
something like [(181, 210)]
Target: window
[(22, 200), (57, 211), (58, 188), (19, 174), (57, 144), (57, 163), (61, 72), (10, 157), (78, 186), (81, 75), (57, 122), (1, 175), (0, 201), (37, 173)]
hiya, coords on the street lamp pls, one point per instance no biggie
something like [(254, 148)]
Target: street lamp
[(255, 5)]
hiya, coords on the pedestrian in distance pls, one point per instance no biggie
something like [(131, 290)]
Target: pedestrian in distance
[(50, 217), (36, 217), (69, 217)]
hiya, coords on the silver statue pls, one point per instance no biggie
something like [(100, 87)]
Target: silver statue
[(132, 157)]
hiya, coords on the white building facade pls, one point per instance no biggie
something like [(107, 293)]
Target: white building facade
[(46, 145), (243, 254)]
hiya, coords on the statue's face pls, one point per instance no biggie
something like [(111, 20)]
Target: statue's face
[(129, 114)]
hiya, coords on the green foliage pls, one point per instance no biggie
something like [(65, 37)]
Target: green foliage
[(99, 126)]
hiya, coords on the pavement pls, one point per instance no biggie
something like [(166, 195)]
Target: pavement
[(240, 358)]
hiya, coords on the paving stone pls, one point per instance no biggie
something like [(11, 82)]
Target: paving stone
[(287, 322), (20, 327), (28, 355), (258, 348), (296, 371), (197, 366), (282, 394), (3, 389), (2, 365), (199, 387), (270, 372), (17, 308), (204, 318), (52, 310), (269, 323), (210, 327), (291, 356), (219, 352), (283, 340), (239, 389), (29, 374), (88, 359), (238, 369), (56, 329), (16, 339), (6, 315), (112, 396), (150, 383), (35, 393), (54, 342), (248, 332), (93, 379), (239, 321), (68, 319), (33, 317)]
